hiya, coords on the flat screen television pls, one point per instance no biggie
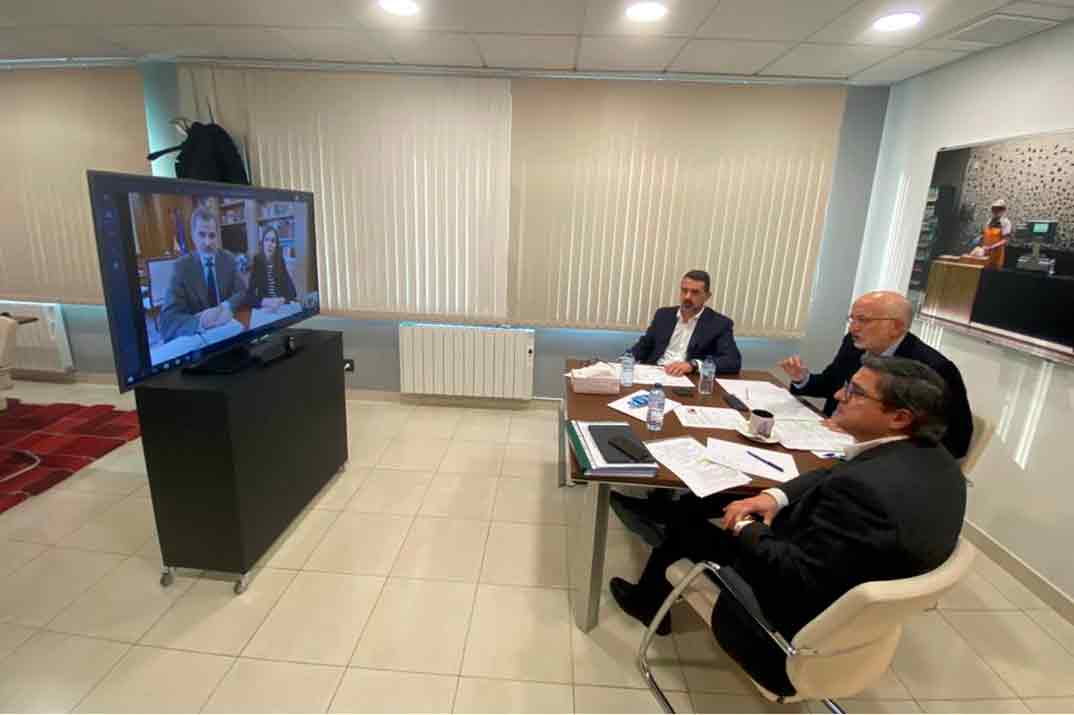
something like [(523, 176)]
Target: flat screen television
[(193, 268)]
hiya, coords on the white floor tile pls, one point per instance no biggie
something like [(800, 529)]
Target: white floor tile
[(36, 593), (934, 661), (415, 453), (364, 449), (418, 626), (855, 705), (533, 501), (104, 481), (1011, 588), (12, 636), (122, 460), (123, 605), (433, 422), (483, 428), (973, 706), (360, 544), (482, 695), (51, 672), (526, 555), (383, 691), (154, 680), (1060, 628), (975, 593), (705, 665), (530, 460), (448, 549), (262, 686), (16, 554), (318, 619), (338, 492), (1020, 651), (47, 518), (123, 529), (589, 699), (473, 458), (210, 618), (1050, 705), (753, 703), (520, 634), (293, 548), (388, 491), (529, 429), (460, 496)]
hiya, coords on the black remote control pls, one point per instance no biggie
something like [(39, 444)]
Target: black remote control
[(631, 448)]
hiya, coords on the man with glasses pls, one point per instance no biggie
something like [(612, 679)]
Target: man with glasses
[(893, 510), (879, 324)]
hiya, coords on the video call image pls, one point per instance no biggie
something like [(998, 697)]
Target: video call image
[(210, 268)]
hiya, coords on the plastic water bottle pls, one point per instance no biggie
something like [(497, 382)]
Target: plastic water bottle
[(626, 373), (708, 377), (655, 419)]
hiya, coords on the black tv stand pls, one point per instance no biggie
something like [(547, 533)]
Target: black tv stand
[(240, 357)]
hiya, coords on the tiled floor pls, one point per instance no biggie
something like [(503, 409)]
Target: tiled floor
[(429, 576)]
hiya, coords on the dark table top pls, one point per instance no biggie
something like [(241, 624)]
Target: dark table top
[(593, 408)]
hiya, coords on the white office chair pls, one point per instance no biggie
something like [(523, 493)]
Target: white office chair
[(983, 430), (7, 350), (841, 651)]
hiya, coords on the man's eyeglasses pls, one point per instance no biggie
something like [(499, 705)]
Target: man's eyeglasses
[(850, 390), (864, 319)]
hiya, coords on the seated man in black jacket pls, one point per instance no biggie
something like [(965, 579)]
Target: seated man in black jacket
[(894, 510), (879, 325), (680, 338)]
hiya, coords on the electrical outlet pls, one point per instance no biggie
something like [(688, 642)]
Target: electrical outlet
[(348, 365)]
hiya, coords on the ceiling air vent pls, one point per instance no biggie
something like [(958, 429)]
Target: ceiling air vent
[(1001, 29)]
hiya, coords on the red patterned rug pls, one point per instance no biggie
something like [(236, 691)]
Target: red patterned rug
[(41, 445)]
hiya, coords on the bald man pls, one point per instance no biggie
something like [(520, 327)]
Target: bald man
[(879, 325)]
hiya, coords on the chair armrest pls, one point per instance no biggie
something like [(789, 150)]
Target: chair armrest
[(734, 586)]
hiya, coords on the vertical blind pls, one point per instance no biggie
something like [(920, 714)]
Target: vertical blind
[(58, 124), (618, 188), (410, 177)]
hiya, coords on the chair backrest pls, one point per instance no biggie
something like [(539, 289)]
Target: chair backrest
[(851, 643), (982, 435)]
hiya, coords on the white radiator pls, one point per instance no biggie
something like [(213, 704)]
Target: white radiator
[(466, 360), (41, 346)]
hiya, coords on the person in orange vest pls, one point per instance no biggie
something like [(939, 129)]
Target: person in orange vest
[(995, 236)]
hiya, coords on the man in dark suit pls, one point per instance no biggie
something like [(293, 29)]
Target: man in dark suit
[(879, 325), (680, 338), (894, 510), (205, 290)]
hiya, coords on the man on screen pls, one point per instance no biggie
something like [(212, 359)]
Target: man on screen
[(205, 289)]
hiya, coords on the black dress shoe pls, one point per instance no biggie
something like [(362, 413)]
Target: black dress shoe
[(645, 519), (625, 594)]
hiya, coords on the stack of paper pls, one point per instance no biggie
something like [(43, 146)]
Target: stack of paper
[(687, 459), (652, 374), (811, 436), (696, 417), (590, 459), (760, 395), (777, 466), (640, 413)]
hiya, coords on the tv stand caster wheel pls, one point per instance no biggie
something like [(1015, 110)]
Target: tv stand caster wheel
[(167, 576), (240, 585)]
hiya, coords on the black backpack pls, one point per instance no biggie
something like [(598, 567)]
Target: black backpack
[(208, 154)]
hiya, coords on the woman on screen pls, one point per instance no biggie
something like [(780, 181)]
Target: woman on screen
[(270, 283)]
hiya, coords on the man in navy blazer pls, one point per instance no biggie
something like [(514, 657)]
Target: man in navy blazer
[(680, 338)]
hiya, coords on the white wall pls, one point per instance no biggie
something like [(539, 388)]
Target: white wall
[(1024, 488)]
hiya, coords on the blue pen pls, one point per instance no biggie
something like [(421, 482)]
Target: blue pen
[(762, 459)]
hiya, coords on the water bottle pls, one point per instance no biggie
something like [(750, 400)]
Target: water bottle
[(708, 377), (655, 419), (626, 373)]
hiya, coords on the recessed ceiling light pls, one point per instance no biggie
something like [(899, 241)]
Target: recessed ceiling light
[(897, 21), (399, 7), (646, 11)]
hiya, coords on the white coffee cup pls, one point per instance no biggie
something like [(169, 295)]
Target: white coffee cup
[(762, 423)]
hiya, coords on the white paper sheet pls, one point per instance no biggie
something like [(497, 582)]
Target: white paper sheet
[(760, 395), (222, 332), (752, 460), (809, 436), (687, 459), (640, 413), (696, 417), (260, 316)]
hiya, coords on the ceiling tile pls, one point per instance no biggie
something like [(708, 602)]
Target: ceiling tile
[(440, 16), (335, 46), (54, 42), (956, 45), (527, 51), (608, 17), (907, 64), (786, 20), (1000, 29), (431, 48), (1035, 9), (938, 18), (837, 61), (334, 14), (727, 56), (98, 12), (236, 42), (531, 17), (627, 54)]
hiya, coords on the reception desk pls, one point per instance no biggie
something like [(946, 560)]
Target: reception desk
[(952, 288), (1027, 303)]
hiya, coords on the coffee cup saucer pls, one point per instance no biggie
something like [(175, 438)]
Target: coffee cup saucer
[(753, 437)]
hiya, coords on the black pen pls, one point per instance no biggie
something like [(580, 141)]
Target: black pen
[(770, 464)]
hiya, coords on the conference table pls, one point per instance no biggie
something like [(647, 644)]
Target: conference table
[(588, 497)]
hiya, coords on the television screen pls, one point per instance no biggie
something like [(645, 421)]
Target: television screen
[(189, 267)]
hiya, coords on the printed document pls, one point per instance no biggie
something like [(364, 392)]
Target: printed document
[(696, 417), (810, 436), (687, 459), (640, 413), (777, 466), (760, 395)]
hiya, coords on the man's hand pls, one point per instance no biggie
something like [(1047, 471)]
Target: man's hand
[(272, 304), (795, 368), (762, 505), (678, 368), (213, 317)]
